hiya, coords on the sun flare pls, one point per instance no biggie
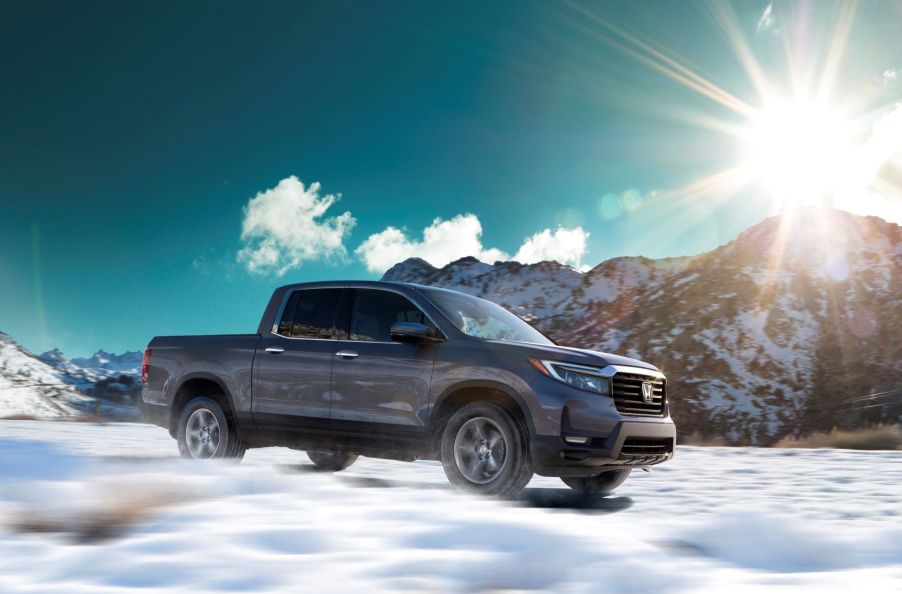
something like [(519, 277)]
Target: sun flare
[(800, 151), (803, 137)]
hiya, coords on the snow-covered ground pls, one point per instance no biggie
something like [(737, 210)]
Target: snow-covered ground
[(712, 520)]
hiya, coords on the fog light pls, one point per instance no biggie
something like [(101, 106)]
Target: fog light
[(576, 440)]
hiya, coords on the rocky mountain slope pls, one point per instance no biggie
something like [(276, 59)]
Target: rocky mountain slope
[(50, 386), (795, 325)]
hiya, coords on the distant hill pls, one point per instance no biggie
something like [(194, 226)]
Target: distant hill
[(50, 386), (795, 325)]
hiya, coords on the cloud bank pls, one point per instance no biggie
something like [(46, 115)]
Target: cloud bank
[(286, 226), (567, 246), (445, 241), (442, 242), (871, 186)]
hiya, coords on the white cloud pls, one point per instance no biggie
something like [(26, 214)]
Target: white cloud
[(285, 226), (567, 246), (889, 76), (767, 19), (868, 187), (446, 241), (442, 243)]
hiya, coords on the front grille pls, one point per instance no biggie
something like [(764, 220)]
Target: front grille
[(637, 446), (626, 389)]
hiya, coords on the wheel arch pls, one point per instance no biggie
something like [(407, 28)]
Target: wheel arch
[(199, 384), (461, 394)]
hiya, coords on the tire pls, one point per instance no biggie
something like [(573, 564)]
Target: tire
[(204, 431), (331, 461), (485, 450), (605, 482)]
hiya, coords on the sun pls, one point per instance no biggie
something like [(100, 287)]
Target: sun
[(801, 151), (799, 133)]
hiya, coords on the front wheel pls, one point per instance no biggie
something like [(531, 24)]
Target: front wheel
[(598, 484), (331, 461), (204, 431), (485, 450)]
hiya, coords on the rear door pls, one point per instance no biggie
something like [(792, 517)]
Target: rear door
[(380, 385), (293, 365)]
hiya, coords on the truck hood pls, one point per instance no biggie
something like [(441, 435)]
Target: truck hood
[(579, 356)]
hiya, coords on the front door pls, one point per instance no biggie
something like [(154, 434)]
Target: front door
[(380, 386), (293, 366)]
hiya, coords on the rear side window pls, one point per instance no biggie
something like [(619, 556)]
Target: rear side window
[(375, 311), (311, 314), (288, 314)]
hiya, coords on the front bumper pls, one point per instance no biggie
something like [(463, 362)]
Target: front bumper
[(631, 444), (616, 440)]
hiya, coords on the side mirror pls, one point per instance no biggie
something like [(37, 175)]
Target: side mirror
[(413, 332)]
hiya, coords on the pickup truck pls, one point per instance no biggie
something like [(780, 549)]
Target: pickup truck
[(407, 372)]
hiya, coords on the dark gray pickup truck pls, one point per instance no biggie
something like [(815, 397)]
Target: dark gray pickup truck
[(408, 372)]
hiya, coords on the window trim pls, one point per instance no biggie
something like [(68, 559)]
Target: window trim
[(347, 289)]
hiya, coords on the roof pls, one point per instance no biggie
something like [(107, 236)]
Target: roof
[(350, 283)]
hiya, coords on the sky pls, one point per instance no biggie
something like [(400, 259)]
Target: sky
[(164, 166)]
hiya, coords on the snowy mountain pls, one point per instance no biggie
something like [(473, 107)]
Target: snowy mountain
[(794, 325), (51, 386), (103, 375), (104, 363), (30, 387)]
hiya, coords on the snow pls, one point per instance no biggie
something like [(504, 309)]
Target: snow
[(686, 279), (711, 520)]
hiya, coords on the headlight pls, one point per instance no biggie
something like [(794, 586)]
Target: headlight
[(582, 378)]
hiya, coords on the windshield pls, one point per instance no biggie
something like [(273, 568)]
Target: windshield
[(484, 319)]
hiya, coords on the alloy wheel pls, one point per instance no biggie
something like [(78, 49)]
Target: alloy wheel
[(202, 434), (480, 450)]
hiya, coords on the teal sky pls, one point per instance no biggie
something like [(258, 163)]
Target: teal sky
[(132, 136)]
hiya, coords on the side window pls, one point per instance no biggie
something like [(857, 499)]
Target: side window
[(288, 314), (311, 314), (375, 311)]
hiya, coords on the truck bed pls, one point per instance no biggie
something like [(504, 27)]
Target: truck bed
[(226, 359)]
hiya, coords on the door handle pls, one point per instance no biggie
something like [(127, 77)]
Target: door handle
[(347, 354), (275, 350)]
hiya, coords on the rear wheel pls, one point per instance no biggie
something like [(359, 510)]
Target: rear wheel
[(485, 450), (204, 431), (333, 461), (600, 483)]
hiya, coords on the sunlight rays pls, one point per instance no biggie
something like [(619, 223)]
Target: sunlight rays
[(837, 48), (793, 141), (661, 62), (725, 18)]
